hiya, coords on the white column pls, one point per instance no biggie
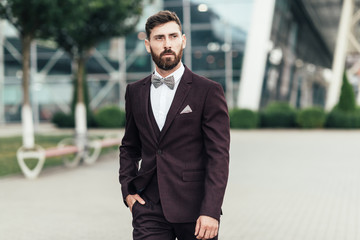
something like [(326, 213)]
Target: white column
[(256, 51), (2, 74), (122, 70), (295, 86), (340, 54), (187, 31), (227, 48)]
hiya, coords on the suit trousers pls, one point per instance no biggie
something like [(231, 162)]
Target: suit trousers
[(149, 223)]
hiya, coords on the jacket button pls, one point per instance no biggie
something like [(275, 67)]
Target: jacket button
[(159, 152)]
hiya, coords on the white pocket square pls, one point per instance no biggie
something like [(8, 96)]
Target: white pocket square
[(187, 109)]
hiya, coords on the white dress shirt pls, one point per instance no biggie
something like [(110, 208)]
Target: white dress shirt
[(162, 97)]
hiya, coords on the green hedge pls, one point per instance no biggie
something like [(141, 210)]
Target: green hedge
[(314, 117), (110, 117), (341, 119), (63, 120), (347, 102), (278, 115), (243, 118), (275, 115)]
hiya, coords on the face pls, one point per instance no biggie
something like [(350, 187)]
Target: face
[(166, 44)]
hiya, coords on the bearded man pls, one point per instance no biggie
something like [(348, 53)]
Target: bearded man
[(177, 125)]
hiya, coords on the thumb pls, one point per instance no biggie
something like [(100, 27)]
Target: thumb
[(197, 227), (139, 199)]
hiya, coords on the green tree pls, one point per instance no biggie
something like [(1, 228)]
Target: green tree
[(89, 22), (31, 18), (347, 97), (344, 114)]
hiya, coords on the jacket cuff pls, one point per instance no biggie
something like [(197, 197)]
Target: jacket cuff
[(212, 214)]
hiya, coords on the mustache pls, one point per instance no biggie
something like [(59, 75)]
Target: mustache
[(167, 51)]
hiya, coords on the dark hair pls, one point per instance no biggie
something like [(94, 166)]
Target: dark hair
[(160, 18)]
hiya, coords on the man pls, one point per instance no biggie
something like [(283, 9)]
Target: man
[(177, 124)]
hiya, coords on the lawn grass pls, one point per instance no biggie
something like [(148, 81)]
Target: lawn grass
[(9, 146)]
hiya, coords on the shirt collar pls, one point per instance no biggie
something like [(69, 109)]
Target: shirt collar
[(177, 74)]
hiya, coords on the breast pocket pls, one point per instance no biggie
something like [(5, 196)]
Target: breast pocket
[(186, 115)]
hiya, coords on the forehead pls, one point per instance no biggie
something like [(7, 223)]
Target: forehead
[(165, 29)]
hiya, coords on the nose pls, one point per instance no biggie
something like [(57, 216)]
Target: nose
[(167, 43)]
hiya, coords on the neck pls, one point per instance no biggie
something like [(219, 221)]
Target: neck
[(165, 73)]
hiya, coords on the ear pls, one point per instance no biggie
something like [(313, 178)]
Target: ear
[(183, 41), (147, 46)]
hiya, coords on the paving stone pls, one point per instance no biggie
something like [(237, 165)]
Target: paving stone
[(283, 185)]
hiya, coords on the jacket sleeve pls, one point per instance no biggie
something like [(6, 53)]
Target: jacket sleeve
[(216, 134), (130, 149)]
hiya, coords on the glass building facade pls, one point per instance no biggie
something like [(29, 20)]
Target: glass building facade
[(216, 32), (217, 46), (297, 75)]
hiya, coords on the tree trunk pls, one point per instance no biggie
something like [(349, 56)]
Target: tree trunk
[(80, 109), (26, 43), (26, 113), (79, 79)]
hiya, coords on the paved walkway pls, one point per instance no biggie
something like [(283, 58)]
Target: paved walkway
[(284, 185)]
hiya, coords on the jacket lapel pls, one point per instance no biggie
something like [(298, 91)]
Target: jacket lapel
[(180, 95), (145, 93)]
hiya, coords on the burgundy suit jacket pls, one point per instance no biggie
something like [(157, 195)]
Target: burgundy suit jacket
[(191, 156)]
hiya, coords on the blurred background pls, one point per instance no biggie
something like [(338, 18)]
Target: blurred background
[(260, 51), (284, 64)]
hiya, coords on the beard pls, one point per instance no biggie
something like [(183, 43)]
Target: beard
[(167, 63)]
